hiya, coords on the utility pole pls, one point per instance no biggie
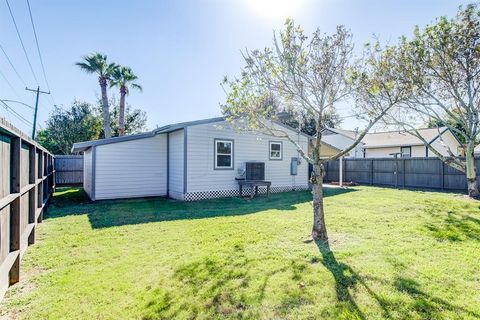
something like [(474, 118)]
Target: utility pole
[(38, 91)]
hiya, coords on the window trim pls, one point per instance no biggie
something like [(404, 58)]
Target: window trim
[(215, 166), (270, 150), (409, 147)]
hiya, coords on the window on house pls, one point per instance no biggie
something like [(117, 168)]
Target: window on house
[(223, 154), (275, 151), (406, 152)]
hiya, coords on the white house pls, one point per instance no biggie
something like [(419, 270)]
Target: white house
[(189, 161), (387, 144)]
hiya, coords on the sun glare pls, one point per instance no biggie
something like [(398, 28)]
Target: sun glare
[(275, 8)]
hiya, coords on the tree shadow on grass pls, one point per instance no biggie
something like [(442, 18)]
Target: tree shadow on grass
[(424, 306), (453, 223), (347, 279), (219, 286), (427, 306), (109, 213)]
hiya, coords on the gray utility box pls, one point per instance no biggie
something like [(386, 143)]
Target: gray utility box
[(294, 167)]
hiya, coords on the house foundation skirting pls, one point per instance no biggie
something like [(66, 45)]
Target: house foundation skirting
[(193, 196)]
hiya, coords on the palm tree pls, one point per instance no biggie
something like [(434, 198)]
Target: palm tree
[(124, 79), (97, 63)]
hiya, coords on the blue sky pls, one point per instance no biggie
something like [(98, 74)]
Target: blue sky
[(180, 49)]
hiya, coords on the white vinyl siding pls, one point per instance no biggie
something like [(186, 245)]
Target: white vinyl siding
[(176, 164), (449, 141), (87, 172), (202, 177), (136, 168)]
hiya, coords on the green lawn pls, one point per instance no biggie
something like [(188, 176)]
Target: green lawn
[(394, 254)]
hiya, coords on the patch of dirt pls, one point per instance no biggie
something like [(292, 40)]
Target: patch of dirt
[(338, 241), (25, 287)]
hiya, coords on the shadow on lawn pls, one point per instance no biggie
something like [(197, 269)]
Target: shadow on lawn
[(345, 279), (427, 306), (453, 222), (108, 213), (424, 306)]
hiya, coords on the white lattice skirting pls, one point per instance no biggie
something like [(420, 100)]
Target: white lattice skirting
[(193, 196)]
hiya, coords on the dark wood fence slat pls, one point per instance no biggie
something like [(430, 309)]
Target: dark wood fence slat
[(68, 170), (426, 173)]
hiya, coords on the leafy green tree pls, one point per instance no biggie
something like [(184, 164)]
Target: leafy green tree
[(65, 127), (310, 76), (124, 79), (450, 121), (440, 68), (135, 119), (96, 63)]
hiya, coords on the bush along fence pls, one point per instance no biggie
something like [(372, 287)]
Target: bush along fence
[(68, 170), (415, 173), (27, 180)]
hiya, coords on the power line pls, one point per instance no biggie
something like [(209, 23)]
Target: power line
[(19, 116), (13, 67), (9, 84), (21, 42), (19, 102), (38, 49)]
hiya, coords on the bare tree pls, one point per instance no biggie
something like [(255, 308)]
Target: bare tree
[(308, 76)]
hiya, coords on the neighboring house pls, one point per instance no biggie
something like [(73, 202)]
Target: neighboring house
[(390, 143), (335, 140), (477, 150), (189, 161)]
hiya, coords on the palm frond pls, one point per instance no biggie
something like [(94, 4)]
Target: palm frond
[(137, 86)]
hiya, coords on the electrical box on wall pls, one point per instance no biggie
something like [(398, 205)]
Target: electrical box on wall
[(294, 166)]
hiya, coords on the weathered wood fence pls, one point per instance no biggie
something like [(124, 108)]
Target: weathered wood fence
[(421, 173), (27, 180), (68, 170)]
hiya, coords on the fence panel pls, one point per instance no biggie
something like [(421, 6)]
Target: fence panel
[(69, 170), (426, 173), (25, 189)]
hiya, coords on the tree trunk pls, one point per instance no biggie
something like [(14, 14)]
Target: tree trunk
[(105, 110), (121, 116), (319, 230), (471, 172)]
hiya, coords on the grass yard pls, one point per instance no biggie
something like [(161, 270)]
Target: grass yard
[(394, 254)]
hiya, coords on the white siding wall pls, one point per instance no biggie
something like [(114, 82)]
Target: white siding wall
[(449, 141), (136, 168), (381, 152), (87, 172), (202, 177), (176, 164)]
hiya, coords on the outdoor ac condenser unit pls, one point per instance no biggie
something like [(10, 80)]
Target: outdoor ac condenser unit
[(255, 171)]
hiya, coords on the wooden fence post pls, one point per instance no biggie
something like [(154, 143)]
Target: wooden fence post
[(15, 185), (32, 194)]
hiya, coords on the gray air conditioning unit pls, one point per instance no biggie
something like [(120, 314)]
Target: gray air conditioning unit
[(255, 171)]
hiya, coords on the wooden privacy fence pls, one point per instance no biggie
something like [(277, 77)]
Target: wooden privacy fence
[(68, 170), (27, 180), (426, 173)]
